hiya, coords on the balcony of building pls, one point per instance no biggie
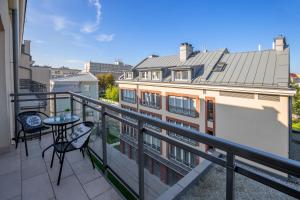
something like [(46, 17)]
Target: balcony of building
[(229, 171)]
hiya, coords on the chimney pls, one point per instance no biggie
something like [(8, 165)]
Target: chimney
[(280, 43), (186, 50), (27, 46)]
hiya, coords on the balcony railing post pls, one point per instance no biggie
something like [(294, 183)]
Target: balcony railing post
[(230, 177), (71, 105), (83, 109), (141, 159), (104, 136), (54, 100)]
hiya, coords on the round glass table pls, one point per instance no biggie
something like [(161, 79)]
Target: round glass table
[(59, 127)]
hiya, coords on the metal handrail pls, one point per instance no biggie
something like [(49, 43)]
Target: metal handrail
[(232, 149)]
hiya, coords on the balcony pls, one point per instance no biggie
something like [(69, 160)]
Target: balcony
[(183, 111), (151, 104), (231, 170), (128, 99)]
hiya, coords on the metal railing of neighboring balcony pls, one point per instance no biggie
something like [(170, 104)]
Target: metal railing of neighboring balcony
[(183, 111), (232, 150)]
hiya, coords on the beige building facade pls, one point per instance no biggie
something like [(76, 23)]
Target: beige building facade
[(216, 93), (12, 16)]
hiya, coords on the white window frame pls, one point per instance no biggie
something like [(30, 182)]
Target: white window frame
[(181, 75)]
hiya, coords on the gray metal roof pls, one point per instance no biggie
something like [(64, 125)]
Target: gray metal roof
[(80, 77), (268, 68)]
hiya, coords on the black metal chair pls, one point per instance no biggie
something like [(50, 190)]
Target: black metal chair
[(78, 139), (31, 123)]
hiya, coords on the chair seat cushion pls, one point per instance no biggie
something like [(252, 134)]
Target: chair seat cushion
[(78, 131)]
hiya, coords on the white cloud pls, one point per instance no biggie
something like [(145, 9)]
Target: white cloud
[(59, 22), (74, 61), (105, 37), (92, 27)]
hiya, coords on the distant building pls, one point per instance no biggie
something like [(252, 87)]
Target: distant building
[(84, 83), (295, 78), (63, 72), (244, 97), (117, 69)]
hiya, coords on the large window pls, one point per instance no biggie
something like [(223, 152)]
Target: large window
[(210, 110), (145, 75), (151, 99), (182, 105), (155, 75), (149, 140), (179, 154), (128, 95), (155, 116), (152, 142), (128, 75), (181, 75)]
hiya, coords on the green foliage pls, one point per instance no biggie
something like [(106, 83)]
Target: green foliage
[(296, 100), (67, 110), (112, 93), (105, 80)]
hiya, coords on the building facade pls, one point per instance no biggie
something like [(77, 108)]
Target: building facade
[(117, 69), (84, 83), (243, 97), (61, 72), (12, 18)]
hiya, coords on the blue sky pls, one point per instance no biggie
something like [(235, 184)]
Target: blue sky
[(69, 34)]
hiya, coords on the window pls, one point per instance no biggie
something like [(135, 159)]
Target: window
[(128, 95), (182, 105), (155, 128), (128, 75), (151, 100), (177, 153), (210, 110), (181, 75), (144, 75), (152, 142), (182, 156), (86, 88), (155, 75)]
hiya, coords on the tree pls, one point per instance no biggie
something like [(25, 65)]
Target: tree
[(105, 81), (112, 93), (296, 100)]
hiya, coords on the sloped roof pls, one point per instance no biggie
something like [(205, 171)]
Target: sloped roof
[(80, 77), (268, 68)]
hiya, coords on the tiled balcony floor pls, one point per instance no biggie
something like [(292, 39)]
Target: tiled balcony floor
[(30, 178)]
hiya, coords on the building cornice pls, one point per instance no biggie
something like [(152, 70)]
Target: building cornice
[(271, 91)]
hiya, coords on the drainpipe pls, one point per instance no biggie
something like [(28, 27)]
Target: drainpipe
[(15, 38)]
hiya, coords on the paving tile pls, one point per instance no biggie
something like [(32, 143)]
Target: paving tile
[(9, 164), (75, 156), (37, 187), (108, 195), (96, 187), (69, 189), (34, 149), (32, 167), (84, 171), (10, 185), (54, 171)]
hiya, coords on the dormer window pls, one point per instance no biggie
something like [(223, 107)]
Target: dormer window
[(128, 75), (155, 75), (219, 67), (145, 75), (181, 75)]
